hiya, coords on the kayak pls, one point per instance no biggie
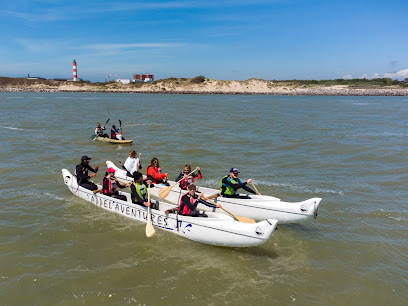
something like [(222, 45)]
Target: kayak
[(215, 229), (106, 139), (257, 207)]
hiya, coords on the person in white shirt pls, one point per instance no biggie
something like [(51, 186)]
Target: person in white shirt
[(131, 164)]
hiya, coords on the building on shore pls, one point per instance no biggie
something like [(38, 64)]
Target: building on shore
[(143, 77), (123, 81), (34, 77)]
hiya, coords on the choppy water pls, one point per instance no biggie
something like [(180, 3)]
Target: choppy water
[(351, 151)]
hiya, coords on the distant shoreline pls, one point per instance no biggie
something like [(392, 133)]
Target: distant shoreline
[(204, 87)]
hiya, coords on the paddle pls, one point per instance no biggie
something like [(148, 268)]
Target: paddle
[(238, 218), (255, 188), (140, 166), (149, 226), (164, 192)]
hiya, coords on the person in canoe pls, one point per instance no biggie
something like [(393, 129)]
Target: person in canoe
[(81, 172), (139, 190), (115, 133), (132, 163), (154, 173), (109, 184), (99, 131), (187, 180), (189, 202), (231, 183)]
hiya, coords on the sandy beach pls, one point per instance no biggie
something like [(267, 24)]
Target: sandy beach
[(209, 86)]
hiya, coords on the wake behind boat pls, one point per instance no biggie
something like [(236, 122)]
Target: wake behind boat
[(257, 207), (106, 139), (217, 229)]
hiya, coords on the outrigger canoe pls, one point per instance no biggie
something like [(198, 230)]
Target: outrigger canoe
[(257, 207), (106, 139), (217, 229)]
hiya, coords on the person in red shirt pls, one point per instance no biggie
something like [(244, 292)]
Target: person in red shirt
[(154, 173)]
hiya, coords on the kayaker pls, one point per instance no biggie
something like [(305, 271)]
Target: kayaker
[(231, 183), (81, 172), (189, 202), (154, 173), (99, 130), (139, 190), (131, 164), (109, 184), (115, 134), (187, 180)]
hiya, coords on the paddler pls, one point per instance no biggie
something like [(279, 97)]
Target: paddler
[(109, 184), (99, 130), (115, 133), (132, 163), (231, 183), (139, 190), (81, 172), (189, 202), (154, 173), (188, 179)]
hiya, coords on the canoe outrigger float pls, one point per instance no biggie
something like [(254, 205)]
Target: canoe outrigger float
[(216, 229), (106, 139), (257, 207)]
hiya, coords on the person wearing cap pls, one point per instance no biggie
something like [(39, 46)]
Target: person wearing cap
[(99, 130), (139, 190), (81, 172), (231, 183), (109, 184), (132, 164)]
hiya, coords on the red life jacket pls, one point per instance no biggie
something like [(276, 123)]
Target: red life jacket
[(183, 209), (108, 186), (187, 181)]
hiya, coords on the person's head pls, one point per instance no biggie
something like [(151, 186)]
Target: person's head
[(113, 127), (138, 177), (234, 172), (111, 171), (132, 154), (191, 189), (154, 162), (85, 160), (98, 125), (187, 169)]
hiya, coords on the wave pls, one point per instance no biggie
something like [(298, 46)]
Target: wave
[(12, 128)]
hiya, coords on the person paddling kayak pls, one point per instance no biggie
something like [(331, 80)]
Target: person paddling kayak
[(231, 183), (99, 130)]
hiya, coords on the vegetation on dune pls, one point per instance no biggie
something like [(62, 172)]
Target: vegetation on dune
[(350, 82)]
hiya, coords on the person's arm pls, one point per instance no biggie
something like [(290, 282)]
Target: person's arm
[(197, 175), (248, 189), (181, 175), (235, 186), (155, 175)]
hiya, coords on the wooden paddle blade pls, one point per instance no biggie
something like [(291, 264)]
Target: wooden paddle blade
[(164, 192), (245, 219), (150, 231)]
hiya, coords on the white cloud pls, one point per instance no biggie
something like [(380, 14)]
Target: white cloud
[(399, 75), (347, 77)]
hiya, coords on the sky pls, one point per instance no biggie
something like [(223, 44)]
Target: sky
[(222, 40)]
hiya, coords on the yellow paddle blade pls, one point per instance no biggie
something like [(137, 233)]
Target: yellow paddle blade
[(245, 219), (164, 192)]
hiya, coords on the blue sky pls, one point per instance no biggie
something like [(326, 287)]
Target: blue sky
[(223, 40)]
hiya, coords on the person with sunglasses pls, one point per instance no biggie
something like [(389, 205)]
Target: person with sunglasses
[(231, 183), (188, 179), (154, 173)]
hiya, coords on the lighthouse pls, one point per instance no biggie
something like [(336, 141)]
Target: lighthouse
[(74, 71)]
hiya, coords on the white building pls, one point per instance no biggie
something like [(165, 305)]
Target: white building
[(123, 81)]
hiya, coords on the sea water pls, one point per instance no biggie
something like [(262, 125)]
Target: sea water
[(56, 248)]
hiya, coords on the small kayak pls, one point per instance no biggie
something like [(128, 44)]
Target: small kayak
[(106, 139), (257, 207), (215, 229)]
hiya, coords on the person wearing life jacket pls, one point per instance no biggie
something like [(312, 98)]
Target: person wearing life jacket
[(99, 130), (231, 183), (189, 202), (81, 172), (139, 190), (109, 185), (132, 163), (115, 133), (187, 180), (154, 173)]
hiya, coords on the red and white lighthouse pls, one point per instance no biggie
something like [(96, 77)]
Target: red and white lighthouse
[(74, 71)]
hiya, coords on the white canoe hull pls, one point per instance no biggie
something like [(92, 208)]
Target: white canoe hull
[(217, 229), (257, 207)]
